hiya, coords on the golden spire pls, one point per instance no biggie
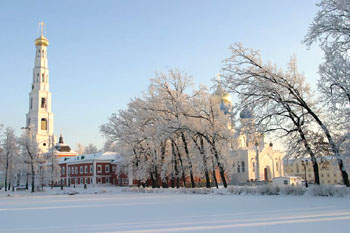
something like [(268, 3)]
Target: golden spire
[(42, 40)]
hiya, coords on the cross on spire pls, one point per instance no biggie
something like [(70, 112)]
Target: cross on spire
[(41, 25)]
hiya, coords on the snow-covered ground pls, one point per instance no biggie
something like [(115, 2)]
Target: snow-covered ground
[(115, 211)]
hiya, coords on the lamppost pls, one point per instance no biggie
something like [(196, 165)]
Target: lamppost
[(304, 164)]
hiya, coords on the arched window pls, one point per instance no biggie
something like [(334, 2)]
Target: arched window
[(43, 103), (31, 103), (42, 77), (238, 168), (43, 124), (37, 77), (43, 53), (243, 166)]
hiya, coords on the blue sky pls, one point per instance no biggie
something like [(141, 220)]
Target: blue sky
[(102, 53)]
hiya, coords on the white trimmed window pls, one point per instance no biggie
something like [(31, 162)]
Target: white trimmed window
[(107, 179), (107, 168), (91, 169), (81, 169), (99, 168), (86, 169), (76, 170)]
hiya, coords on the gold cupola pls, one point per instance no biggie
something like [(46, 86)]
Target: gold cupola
[(42, 40)]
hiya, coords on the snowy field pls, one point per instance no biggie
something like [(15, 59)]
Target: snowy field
[(166, 212)]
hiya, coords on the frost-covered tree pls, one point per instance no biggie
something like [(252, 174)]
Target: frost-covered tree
[(331, 29), (167, 135), (31, 155), (276, 96), (9, 156), (80, 148), (90, 149)]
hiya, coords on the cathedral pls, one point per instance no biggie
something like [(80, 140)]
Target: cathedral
[(252, 159)]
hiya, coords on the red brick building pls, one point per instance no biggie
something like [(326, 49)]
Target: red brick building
[(94, 169)]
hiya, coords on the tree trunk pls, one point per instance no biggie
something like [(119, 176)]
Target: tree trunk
[(316, 172), (176, 175), (189, 159), (214, 175), (205, 166), (343, 173), (181, 164), (7, 170), (153, 182), (220, 166), (33, 176)]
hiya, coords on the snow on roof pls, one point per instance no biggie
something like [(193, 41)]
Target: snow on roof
[(106, 156)]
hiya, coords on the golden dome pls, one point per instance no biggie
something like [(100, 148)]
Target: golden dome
[(226, 97), (42, 40)]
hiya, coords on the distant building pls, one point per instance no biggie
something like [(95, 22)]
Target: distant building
[(287, 180), (94, 169), (328, 169)]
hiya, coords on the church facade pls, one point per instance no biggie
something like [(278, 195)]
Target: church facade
[(253, 160)]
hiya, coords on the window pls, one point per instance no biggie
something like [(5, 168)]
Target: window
[(99, 168), (253, 166), (43, 103), (86, 180), (37, 77), (86, 169), (297, 167), (276, 165), (68, 170), (31, 103), (63, 170), (113, 168), (107, 168), (81, 180), (238, 168), (107, 179), (285, 182), (43, 77), (243, 166), (43, 124), (76, 170), (91, 169), (81, 169)]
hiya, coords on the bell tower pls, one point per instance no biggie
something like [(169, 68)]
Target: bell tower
[(40, 118)]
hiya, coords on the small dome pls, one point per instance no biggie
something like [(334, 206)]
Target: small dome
[(246, 114), (42, 40), (226, 97)]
